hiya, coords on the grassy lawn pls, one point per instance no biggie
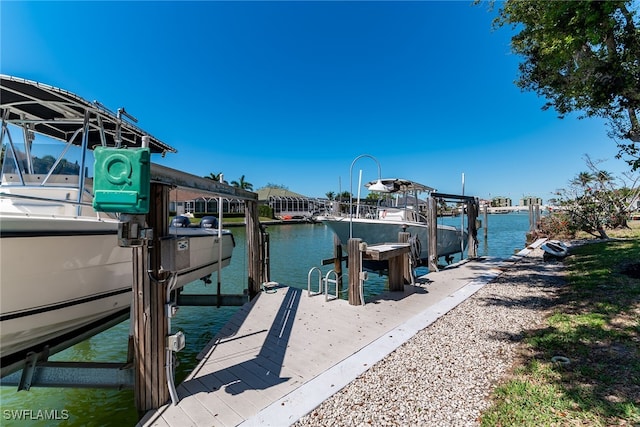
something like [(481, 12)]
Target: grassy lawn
[(596, 326)]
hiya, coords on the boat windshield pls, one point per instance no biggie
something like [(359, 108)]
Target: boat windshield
[(30, 158)]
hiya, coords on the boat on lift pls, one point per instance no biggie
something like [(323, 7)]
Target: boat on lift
[(400, 212), (63, 274)]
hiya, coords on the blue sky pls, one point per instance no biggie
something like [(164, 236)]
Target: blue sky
[(291, 92)]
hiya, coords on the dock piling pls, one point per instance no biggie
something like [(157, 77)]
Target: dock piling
[(355, 271), (148, 312), (337, 260), (472, 229), (406, 267), (254, 245)]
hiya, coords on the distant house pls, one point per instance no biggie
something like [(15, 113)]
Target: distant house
[(501, 202), (286, 204), (182, 201), (530, 201)]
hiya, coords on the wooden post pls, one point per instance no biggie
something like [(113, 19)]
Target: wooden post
[(266, 254), (531, 220), (432, 217), (407, 276), (254, 252), (396, 281), (149, 320), (486, 221), (472, 215), (354, 271), (337, 263)]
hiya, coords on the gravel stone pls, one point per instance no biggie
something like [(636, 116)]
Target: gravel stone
[(445, 374)]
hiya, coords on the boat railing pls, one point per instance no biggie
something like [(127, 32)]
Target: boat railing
[(41, 179), (365, 211), (60, 200)]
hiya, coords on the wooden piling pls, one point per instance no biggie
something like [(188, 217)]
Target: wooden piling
[(432, 218), (355, 268), (254, 250), (149, 320), (486, 221), (407, 276), (265, 243), (337, 263), (472, 232)]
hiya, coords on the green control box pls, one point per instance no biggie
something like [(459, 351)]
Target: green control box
[(121, 180)]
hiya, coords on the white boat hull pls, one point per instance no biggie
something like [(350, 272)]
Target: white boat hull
[(374, 231), (59, 281)]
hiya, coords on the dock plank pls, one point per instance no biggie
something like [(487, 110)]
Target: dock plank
[(221, 413), (278, 343)]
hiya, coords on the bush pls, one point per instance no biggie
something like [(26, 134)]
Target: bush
[(558, 226)]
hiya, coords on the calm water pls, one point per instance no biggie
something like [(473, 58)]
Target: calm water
[(294, 250)]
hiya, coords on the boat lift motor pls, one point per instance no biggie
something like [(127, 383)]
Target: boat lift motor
[(175, 253)]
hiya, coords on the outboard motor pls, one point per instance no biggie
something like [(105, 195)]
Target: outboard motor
[(209, 222), (180, 222)]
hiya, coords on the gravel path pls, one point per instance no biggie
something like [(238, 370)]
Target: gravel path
[(443, 376)]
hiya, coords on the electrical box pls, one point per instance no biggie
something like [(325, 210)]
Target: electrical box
[(176, 342), (122, 180), (175, 253)]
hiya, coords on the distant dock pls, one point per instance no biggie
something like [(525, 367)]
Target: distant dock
[(284, 353)]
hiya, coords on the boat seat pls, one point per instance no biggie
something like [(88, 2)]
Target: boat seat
[(392, 214)]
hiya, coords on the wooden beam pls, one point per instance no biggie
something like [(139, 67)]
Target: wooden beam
[(407, 275), (386, 251), (254, 250), (337, 261), (472, 233), (149, 319)]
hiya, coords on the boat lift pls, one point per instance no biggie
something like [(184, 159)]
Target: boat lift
[(145, 209)]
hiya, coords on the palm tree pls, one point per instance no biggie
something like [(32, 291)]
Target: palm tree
[(583, 179), (330, 195), (604, 177), (214, 176), (242, 184), (345, 195)]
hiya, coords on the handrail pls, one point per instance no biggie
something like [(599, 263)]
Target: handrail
[(320, 282), (44, 199), (327, 280)]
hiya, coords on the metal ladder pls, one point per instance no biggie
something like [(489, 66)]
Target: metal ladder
[(323, 284)]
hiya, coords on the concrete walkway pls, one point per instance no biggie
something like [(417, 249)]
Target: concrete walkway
[(284, 353)]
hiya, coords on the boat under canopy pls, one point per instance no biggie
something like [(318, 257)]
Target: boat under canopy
[(398, 209), (64, 275)]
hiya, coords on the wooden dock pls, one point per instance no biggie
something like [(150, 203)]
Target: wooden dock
[(284, 353)]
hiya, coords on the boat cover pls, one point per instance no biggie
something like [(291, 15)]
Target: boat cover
[(403, 185), (58, 114)]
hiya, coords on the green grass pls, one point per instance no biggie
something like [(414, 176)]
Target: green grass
[(596, 324)]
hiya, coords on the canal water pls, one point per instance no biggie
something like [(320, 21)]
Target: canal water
[(295, 249)]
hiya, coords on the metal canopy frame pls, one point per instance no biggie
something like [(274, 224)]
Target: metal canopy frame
[(57, 114)]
